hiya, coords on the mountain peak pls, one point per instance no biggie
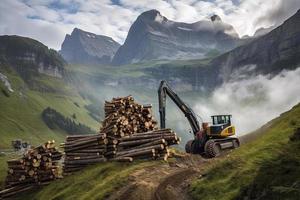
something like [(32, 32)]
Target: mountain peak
[(215, 18), (153, 37), (150, 13), (82, 47), (76, 30), (153, 15)]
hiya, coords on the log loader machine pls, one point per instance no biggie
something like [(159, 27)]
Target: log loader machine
[(208, 140)]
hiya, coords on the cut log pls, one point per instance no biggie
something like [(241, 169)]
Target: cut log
[(155, 147), (137, 142), (140, 153), (89, 161), (123, 159)]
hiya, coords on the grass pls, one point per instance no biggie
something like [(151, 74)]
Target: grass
[(20, 115), (95, 182), (21, 118), (266, 168)]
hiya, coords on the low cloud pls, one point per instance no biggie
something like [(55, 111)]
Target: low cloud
[(253, 101)]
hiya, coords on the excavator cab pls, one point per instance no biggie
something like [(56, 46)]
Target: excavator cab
[(221, 126), (221, 119)]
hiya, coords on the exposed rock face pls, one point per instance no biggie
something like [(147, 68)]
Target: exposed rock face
[(153, 37), (82, 47), (215, 18), (268, 54), (6, 83), (50, 70)]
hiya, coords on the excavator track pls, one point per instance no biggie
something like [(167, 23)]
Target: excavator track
[(214, 147), (188, 146)]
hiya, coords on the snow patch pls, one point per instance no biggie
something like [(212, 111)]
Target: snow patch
[(159, 18), (90, 36), (185, 29), (7, 84), (158, 33)]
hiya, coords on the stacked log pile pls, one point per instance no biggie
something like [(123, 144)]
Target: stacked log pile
[(38, 166), (148, 145), (132, 131), (83, 150), (123, 116)]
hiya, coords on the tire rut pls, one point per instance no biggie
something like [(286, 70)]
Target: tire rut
[(175, 186)]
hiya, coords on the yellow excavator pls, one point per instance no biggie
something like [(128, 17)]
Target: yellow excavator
[(210, 140)]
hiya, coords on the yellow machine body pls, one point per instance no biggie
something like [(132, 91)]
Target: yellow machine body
[(228, 131), (220, 131)]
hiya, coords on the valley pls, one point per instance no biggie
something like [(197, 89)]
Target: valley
[(48, 94)]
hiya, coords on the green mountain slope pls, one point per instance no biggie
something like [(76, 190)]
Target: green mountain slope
[(21, 112), (266, 168), (28, 67), (20, 115), (38, 79)]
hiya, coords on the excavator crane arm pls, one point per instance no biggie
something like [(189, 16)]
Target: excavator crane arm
[(164, 90)]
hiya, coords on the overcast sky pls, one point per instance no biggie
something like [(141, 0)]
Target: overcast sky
[(49, 21)]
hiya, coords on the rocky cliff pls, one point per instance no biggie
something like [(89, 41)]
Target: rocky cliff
[(153, 37), (82, 47), (29, 57), (268, 54)]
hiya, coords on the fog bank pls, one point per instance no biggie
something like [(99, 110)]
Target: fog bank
[(253, 101)]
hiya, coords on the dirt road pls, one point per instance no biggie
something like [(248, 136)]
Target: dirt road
[(175, 186), (164, 181)]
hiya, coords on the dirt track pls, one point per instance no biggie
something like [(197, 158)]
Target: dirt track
[(175, 186), (164, 181)]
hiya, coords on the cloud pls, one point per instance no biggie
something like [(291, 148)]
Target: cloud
[(49, 21), (281, 11), (253, 101)]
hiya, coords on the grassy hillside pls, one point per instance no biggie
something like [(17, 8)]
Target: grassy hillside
[(266, 168), (95, 182), (21, 61), (20, 115)]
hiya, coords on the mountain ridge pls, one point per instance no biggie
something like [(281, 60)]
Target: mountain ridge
[(152, 37), (29, 57), (271, 53)]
